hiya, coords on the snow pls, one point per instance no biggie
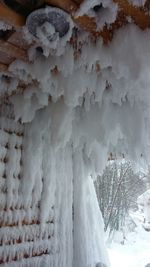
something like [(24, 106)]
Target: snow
[(144, 201), (4, 26), (104, 106), (8, 85), (54, 33), (137, 2), (135, 251), (48, 174), (106, 14)]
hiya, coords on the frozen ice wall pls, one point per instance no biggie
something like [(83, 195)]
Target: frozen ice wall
[(59, 175), (105, 89)]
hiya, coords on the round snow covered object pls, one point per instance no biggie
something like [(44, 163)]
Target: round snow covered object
[(52, 23)]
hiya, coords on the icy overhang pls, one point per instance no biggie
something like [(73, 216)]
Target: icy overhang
[(99, 18), (103, 85)]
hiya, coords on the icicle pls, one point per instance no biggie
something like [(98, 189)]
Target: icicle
[(89, 248)]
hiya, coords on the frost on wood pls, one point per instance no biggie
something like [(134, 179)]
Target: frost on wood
[(37, 199), (104, 11), (137, 2), (36, 196)]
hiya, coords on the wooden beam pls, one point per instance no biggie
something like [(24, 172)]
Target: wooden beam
[(67, 5), (13, 51), (86, 23), (89, 24), (138, 14), (18, 40), (11, 17)]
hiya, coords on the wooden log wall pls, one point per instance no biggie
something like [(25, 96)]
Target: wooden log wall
[(21, 236)]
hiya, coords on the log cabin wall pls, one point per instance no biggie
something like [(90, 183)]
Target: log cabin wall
[(35, 195), (21, 238)]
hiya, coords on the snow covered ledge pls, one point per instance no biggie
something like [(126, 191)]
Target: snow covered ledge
[(71, 119)]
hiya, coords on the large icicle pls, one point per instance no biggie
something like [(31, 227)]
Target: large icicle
[(89, 247)]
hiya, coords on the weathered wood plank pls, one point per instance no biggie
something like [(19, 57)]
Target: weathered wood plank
[(139, 15), (17, 39)]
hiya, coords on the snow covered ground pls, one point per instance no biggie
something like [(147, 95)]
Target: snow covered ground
[(134, 253)]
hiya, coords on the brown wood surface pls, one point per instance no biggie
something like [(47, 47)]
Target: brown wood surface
[(12, 51), (67, 5), (5, 58), (18, 40), (11, 17), (139, 15), (3, 67)]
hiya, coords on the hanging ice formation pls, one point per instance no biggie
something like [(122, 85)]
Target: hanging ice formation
[(80, 99)]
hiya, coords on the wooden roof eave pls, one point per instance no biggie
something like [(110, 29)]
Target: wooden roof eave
[(16, 51), (138, 15)]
